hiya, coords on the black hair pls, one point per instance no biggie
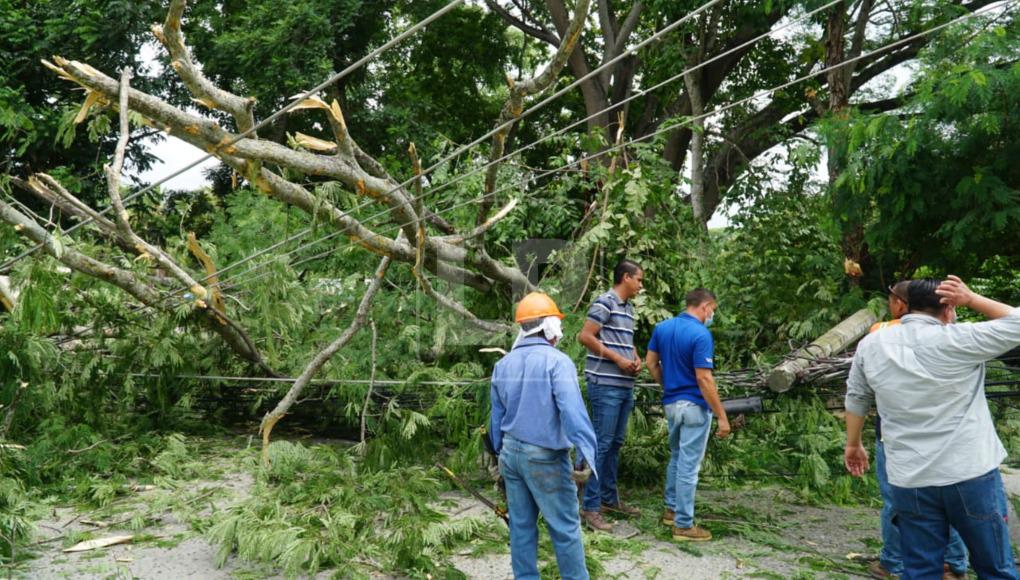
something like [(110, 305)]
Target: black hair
[(901, 290), (625, 267), (529, 325), (699, 296), (921, 297)]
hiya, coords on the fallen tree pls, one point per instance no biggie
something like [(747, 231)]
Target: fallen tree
[(425, 241)]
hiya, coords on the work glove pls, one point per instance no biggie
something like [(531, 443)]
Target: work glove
[(581, 473)]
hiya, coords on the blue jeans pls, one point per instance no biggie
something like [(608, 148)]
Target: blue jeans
[(689, 426), (956, 552), (610, 411), (975, 507), (538, 481)]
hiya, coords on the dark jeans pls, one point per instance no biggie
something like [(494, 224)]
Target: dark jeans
[(975, 507), (610, 410), (892, 561)]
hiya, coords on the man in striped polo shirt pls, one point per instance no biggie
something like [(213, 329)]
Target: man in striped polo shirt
[(609, 370)]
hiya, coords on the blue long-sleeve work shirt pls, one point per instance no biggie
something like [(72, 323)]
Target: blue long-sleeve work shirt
[(536, 399)]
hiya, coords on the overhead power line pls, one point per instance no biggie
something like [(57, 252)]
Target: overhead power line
[(559, 132), (279, 113), (687, 121)]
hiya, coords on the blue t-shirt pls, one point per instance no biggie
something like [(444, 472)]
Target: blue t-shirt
[(683, 344)]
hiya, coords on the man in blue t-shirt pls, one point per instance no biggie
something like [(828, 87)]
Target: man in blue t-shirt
[(680, 359)]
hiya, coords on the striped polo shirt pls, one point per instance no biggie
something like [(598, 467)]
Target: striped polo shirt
[(616, 330)]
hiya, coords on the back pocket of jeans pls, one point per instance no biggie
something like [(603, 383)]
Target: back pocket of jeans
[(693, 416), (548, 474)]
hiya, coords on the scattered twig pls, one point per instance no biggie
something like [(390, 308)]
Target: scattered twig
[(94, 445)]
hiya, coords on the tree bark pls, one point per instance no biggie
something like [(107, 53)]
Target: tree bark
[(838, 338), (693, 83)]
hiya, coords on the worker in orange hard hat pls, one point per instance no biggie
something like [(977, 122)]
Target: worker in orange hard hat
[(537, 416)]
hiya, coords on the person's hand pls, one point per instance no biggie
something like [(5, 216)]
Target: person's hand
[(626, 365), (856, 460), (635, 367), (722, 430), (580, 475), (954, 292)]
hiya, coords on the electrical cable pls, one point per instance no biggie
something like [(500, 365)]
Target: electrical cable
[(562, 130), (756, 96), (524, 114), (282, 111)]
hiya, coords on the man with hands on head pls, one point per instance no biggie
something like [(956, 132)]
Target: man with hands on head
[(890, 563), (609, 370), (680, 358), (926, 377)]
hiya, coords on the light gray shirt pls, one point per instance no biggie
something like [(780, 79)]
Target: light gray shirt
[(927, 379)]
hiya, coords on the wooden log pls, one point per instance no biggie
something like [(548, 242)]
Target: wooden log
[(838, 338)]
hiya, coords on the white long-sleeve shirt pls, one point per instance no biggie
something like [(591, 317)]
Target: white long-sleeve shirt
[(927, 379)]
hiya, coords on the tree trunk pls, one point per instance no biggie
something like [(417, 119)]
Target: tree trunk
[(693, 82), (838, 338)]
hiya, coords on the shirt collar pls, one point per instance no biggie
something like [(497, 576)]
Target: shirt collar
[(918, 318), (621, 301), (531, 341), (688, 315)]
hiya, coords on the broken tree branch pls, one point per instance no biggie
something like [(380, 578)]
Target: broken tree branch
[(515, 105), (204, 91), (7, 298), (127, 281), (320, 359)]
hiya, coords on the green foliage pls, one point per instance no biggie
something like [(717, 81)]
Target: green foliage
[(15, 507), (35, 104), (100, 412), (957, 123), (322, 507), (779, 276), (799, 445)]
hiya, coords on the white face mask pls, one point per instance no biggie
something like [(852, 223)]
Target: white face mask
[(551, 328)]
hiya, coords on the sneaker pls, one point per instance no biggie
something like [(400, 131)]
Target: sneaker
[(877, 570), (622, 509), (595, 521), (949, 574), (691, 534), (668, 517)]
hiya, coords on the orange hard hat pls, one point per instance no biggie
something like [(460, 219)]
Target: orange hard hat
[(536, 305)]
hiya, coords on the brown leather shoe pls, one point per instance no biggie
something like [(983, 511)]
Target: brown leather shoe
[(595, 521), (668, 517), (948, 574), (691, 534), (622, 509), (877, 570)]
